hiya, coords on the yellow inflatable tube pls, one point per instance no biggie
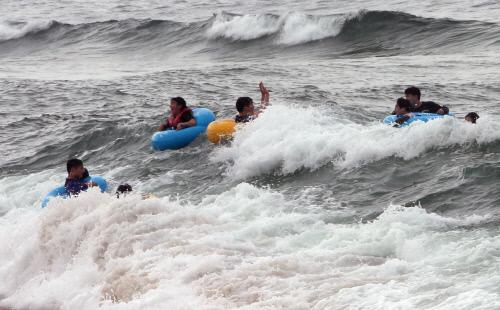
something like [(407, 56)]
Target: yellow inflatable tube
[(219, 130)]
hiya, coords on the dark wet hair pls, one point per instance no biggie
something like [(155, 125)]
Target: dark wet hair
[(73, 163), (180, 101), (85, 174), (473, 116), (412, 90), (243, 102), (402, 103), (122, 189)]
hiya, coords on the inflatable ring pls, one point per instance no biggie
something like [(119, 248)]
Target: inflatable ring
[(221, 130), (177, 139), (423, 117), (61, 190)]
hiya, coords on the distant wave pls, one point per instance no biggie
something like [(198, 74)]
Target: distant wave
[(361, 32), (290, 29)]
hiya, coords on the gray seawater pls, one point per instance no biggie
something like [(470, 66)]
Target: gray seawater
[(315, 205)]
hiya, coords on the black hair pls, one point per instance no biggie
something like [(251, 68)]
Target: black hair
[(412, 90), (402, 103), (243, 102), (122, 189), (85, 174), (180, 101), (73, 163), (473, 116)]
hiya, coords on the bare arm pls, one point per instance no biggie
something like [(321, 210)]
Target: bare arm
[(264, 100), (190, 123)]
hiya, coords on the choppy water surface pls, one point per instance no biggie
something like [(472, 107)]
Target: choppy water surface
[(315, 205)]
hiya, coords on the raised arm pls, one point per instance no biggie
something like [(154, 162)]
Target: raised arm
[(264, 100)]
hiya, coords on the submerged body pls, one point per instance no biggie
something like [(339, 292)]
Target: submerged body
[(62, 191)]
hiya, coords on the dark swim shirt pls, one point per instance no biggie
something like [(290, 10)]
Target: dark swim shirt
[(429, 107), (243, 118), (75, 186)]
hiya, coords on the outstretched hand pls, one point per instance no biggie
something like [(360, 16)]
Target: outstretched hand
[(265, 94)]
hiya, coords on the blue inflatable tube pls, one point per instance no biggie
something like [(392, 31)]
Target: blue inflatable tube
[(60, 191), (177, 139), (423, 117)]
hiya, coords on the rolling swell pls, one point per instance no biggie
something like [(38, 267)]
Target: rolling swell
[(364, 32)]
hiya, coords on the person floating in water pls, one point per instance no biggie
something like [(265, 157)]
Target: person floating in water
[(412, 94), (180, 116), (75, 182), (123, 189), (471, 117), (246, 109), (402, 111)]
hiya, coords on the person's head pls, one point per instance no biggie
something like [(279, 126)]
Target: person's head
[(123, 189), (471, 117), (402, 106), (177, 104), (75, 168), (244, 105), (412, 94)]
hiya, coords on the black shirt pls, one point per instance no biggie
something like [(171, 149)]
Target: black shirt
[(187, 116), (243, 118), (429, 107)]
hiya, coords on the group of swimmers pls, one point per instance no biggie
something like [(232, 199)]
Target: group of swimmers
[(182, 117), (411, 103)]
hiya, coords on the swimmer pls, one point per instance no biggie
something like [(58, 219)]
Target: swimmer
[(76, 175), (246, 109), (123, 189), (471, 117), (412, 94), (402, 111), (180, 116)]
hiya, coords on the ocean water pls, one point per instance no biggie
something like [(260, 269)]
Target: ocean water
[(315, 205)]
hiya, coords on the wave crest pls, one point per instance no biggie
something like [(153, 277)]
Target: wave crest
[(288, 139), (14, 30), (290, 29)]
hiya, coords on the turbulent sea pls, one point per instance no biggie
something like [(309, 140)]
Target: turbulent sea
[(315, 205)]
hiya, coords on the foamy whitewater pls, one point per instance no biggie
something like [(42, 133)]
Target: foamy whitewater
[(314, 205)]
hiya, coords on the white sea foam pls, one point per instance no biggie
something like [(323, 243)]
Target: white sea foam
[(286, 139), (247, 248), (245, 27), (291, 29)]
